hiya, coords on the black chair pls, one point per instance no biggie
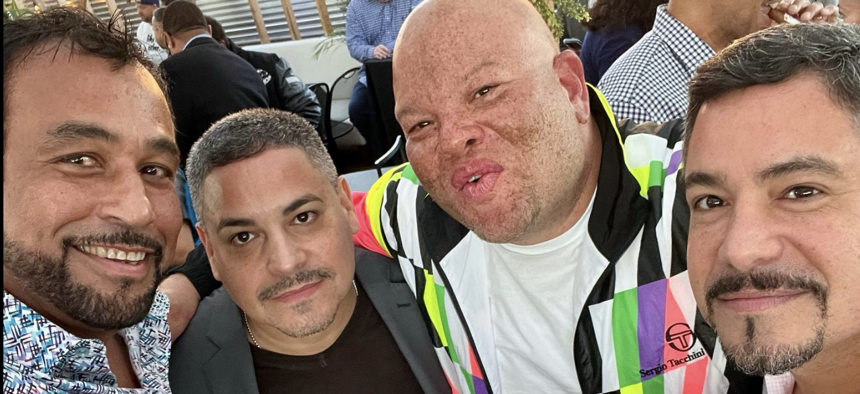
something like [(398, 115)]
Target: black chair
[(389, 136), (324, 127), (337, 106)]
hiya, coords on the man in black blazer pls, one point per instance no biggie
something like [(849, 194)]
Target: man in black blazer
[(205, 80), (301, 310)]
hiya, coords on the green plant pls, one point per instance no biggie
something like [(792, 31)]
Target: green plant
[(12, 12), (572, 8)]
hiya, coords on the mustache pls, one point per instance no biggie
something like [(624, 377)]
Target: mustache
[(126, 237), (285, 282), (764, 280)]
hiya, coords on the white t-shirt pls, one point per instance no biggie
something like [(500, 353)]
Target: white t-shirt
[(532, 307), (146, 37)]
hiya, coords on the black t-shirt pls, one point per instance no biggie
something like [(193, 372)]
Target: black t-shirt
[(365, 359)]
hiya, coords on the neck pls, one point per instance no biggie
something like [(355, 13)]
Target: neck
[(563, 217), (182, 39), (834, 370), (270, 338), (702, 20), (16, 287)]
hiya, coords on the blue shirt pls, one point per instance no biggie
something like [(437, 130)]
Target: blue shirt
[(370, 23), (41, 357), (600, 49)]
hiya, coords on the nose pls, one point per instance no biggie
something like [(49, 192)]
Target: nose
[(126, 201), (457, 138), (752, 238), (286, 255)]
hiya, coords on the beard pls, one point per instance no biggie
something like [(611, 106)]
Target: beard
[(307, 322), (756, 355), (50, 279)]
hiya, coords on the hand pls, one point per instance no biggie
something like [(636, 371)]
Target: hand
[(183, 302), (381, 52), (804, 11)]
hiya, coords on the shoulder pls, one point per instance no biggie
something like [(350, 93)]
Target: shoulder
[(635, 68)]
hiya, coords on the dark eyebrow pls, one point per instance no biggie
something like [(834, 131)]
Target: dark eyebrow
[(299, 202), (815, 164), (231, 222), (296, 204), (72, 132), (165, 146), (704, 179)]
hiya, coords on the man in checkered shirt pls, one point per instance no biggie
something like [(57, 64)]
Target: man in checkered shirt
[(649, 82)]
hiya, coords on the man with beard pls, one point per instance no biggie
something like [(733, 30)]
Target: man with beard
[(89, 209), (146, 33), (772, 146)]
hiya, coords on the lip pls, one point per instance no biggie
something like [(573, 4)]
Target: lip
[(758, 301), (489, 171), (115, 268), (299, 294)]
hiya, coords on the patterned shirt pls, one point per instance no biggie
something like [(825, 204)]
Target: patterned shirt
[(636, 327), (39, 356), (649, 82), (370, 23)]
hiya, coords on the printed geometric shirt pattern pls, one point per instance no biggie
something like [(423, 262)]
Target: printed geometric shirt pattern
[(637, 327), (41, 357), (648, 83)]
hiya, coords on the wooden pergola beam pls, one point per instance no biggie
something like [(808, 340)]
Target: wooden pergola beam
[(89, 6), (257, 13), (322, 8), (112, 8), (20, 4), (291, 19)]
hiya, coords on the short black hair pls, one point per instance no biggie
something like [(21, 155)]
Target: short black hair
[(158, 15), (218, 33), (182, 16), (829, 51), (77, 30)]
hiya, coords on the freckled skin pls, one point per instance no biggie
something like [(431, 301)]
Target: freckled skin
[(534, 119)]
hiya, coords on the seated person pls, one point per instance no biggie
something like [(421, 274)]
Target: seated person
[(286, 91), (297, 313), (89, 210), (774, 194)]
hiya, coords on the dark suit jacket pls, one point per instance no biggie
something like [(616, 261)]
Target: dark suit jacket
[(207, 82), (213, 355)]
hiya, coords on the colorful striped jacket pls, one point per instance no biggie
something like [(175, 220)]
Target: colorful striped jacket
[(638, 330)]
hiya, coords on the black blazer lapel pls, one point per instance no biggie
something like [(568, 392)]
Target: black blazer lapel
[(393, 299), (231, 368)]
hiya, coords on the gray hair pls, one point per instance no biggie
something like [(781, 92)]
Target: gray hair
[(828, 51), (246, 134)]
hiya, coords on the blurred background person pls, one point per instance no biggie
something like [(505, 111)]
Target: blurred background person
[(145, 32), (285, 90), (614, 27)]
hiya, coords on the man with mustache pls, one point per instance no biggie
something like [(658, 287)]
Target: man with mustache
[(303, 311), (772, 143), (89, 209)]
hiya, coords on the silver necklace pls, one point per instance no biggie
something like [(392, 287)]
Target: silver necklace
[(248, 326)]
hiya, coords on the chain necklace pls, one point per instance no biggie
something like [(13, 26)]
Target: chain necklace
[(248, 326)]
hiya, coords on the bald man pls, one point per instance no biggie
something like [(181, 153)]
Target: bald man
[(544, 240), (544, 260)]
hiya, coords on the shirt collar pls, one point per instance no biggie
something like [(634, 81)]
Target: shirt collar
[(779, 384), (194, 38), (688, 48)]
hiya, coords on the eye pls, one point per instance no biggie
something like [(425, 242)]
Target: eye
[(708, 203), (305, 218), (81, 160), (157, 171), (801, 192), (242, 238), (420, 125), (483, 91)]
